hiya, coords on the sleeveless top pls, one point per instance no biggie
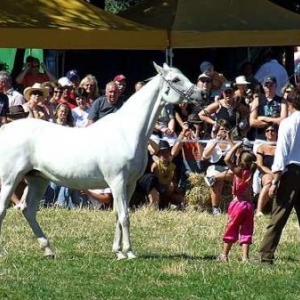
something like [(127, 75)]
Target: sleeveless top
[(268, 109), (267, 159), (228, 114), (242, 187)]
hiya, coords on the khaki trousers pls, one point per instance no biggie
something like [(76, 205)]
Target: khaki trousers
[(287, 198)]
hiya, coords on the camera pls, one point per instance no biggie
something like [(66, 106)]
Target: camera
[(247, 145), (191, 126)]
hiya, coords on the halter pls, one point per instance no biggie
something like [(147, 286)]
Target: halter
[(183, 95)]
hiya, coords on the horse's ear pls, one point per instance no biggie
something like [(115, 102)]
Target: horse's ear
[(158, 69), (166, 67)]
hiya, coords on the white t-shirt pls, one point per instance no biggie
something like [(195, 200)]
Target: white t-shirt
[(96, 204), (80, 117)]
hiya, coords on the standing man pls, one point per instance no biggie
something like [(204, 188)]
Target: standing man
[(267, 108), (286, 170), (217, 79), (31, 74), (121, 81), (274, 68), (107, 104)]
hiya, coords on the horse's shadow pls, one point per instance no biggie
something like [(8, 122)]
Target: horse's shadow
[(153, 256)]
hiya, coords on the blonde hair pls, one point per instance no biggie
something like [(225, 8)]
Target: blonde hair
[(88, 79), (69, 119), (247, 161)]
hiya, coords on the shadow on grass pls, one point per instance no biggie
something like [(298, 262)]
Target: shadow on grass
[(174, 256)]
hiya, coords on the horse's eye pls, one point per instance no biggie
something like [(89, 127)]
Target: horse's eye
[(175, 80)]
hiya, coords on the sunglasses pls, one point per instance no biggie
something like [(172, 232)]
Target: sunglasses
[(67, 87), (57, 92), (37, 93), (269, 85), (205, 80), (229, 92), (35, 66), (270, 130)]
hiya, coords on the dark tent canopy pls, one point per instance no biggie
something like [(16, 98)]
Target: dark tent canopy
[(219, 23), (71, 24)]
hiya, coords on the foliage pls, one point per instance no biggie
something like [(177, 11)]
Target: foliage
[(114, 6), (176, 259), (3, 66)]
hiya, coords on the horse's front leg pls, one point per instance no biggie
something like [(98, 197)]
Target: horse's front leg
[(33, 194), (117, 245), (121, 196)]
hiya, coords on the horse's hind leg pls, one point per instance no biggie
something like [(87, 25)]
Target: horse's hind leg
[(35, 191), (5, 195)]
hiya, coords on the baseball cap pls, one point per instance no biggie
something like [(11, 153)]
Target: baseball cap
[(71, 74), (119, 77), (203, 76), (64, 81), (269, 79), (163, 145), (227, 85), (205, 66)]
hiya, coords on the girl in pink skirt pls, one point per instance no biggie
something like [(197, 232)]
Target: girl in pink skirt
[(240, 211)]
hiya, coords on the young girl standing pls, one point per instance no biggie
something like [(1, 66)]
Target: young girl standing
[(240, 211)]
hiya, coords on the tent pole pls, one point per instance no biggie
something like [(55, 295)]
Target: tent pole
[(169, 56), (248, 53)]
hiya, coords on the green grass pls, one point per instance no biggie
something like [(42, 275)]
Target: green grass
[(176, 259)]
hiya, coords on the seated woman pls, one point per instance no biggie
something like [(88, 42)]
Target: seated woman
[(217, 172), (265, 157)]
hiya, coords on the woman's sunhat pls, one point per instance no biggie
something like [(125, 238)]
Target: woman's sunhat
[(35, 87)]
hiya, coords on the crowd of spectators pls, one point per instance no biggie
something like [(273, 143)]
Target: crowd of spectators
[(187, 138)]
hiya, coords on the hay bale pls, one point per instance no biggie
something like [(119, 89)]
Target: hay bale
[(198, 194)]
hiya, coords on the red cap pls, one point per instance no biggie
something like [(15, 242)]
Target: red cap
[(119, 78)]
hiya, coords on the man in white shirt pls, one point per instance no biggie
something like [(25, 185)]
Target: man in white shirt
[(274, 68), (14, 97), (286, 170)]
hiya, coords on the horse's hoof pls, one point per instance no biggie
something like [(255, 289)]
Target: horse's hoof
[(130, 255), (49, 254), (121, 255)]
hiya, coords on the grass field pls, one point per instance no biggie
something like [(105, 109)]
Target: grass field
[(176, 259)]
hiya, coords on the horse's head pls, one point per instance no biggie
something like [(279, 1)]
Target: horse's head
[(177, 87)]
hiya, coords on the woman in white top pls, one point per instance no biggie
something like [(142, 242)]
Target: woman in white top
[(217, 172)]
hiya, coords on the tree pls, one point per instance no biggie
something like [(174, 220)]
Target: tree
[(293, 5), (114, 6)]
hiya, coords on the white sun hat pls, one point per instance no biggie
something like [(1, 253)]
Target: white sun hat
[(241, 80)]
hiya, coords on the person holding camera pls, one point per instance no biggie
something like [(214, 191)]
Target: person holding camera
[(218, 172), (191, 150), (31, 74)]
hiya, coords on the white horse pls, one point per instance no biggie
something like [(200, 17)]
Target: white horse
[(111, 152)]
